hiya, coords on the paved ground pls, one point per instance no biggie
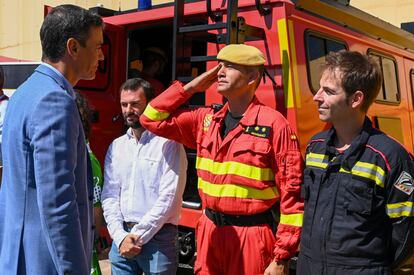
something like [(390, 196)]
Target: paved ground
[(106, 268)]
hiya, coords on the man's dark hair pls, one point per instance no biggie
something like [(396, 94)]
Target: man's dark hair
[(260, 70), (358, 72), (62, 23), (85, 113), (134, 84), (1, 78)]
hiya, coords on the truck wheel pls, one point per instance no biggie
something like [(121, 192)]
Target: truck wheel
[(187, 247)]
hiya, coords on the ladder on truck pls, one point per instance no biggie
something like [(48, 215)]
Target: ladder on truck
[(232, 31)]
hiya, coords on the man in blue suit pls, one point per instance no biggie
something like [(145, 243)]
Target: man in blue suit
[(46, 193)]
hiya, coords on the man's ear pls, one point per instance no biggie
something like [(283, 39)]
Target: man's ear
[(357, 99), (72, 47), (253, 75)]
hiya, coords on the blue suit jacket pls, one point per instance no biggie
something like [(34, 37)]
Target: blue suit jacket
[(46, 192)]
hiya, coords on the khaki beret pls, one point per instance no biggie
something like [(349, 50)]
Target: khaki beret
[(242, 54)]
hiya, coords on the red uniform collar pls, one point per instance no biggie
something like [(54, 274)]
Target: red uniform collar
[(250, 116)]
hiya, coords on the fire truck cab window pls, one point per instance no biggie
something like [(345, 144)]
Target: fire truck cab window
[(15, 73), (317, 47), (149, 55), (391, 126), (389, 91)]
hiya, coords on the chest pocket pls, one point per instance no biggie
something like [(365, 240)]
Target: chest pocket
[(251, 153), (205, 142), (252, 147), (148, 168), (206, 145), (358, 195)]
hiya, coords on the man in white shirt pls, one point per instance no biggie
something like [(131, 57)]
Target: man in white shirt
[(144, 181)]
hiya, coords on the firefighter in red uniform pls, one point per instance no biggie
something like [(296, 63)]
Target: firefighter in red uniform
[(248, 161)]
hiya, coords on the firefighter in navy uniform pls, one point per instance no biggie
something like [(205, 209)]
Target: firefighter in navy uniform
[(358, 182)]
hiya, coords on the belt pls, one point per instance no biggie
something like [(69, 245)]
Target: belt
[(221, 219), (129, 225)]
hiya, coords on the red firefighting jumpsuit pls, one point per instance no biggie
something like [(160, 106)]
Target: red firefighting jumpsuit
[(256, 165)]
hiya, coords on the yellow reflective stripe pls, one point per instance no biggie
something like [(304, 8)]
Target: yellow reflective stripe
[(317, 160), (237, 191), (367, 170), (374, 168), (318, 157), (286, 62), (292, 219), (370, 171), (235, 168), (316, 164), (400, 209), (155, 115), (295, 74), (368, 176)]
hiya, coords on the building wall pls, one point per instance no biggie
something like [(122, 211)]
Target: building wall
[(392, 11), (20, 20)]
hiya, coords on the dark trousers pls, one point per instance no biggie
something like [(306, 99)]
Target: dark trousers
[(307, 266)]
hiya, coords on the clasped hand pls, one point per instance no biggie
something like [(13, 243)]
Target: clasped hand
[(129, 247)]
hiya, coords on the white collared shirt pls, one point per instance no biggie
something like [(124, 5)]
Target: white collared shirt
[(144, 183)]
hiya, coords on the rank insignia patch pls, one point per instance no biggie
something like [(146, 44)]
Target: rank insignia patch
[(258, 131), (207, 122), (404, 183)]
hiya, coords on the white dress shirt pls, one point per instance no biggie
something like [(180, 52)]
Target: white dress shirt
[(144, 183), (3, 107)]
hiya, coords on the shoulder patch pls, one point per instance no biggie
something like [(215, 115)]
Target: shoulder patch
[(258, 131), (404, 183), (207, 122)]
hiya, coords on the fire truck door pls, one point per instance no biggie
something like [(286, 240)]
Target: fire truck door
[(102, 92), (409, 73)]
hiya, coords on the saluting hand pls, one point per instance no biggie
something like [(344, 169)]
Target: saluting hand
[(203, 81), (129, 247)]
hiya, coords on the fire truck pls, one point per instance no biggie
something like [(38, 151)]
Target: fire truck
[(294, 35)]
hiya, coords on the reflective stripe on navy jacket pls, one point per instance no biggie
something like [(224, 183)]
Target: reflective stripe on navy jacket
[(359, 204)]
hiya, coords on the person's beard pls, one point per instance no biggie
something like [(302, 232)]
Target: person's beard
[(134, 125)]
